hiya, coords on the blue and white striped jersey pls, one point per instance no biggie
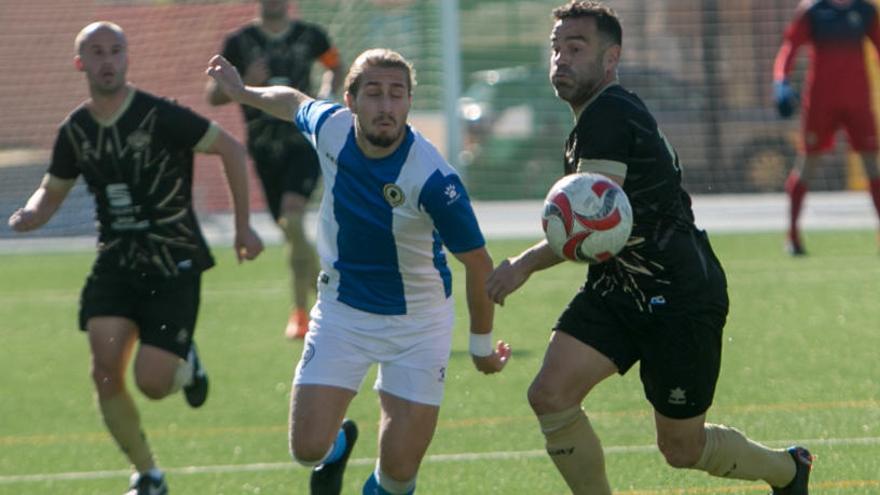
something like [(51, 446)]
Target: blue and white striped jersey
[(383, 222)]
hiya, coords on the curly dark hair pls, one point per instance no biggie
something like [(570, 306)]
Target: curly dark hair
[(607, 22)]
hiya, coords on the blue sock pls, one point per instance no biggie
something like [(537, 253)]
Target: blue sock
[(372, 487), (338, 448)]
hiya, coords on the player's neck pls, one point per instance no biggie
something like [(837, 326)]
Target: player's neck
[(105, 106), (275, 25)]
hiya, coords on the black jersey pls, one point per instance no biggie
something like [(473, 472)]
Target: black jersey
[(289, 56), (666, 256), (139, 166)]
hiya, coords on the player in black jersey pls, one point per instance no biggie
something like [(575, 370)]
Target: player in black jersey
[(277, 50), (662, 301), (135, 152)]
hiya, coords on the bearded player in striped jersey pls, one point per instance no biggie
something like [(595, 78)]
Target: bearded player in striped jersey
[(390, 204)]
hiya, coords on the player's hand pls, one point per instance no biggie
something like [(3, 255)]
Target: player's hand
[(257, 73), (785, 97), (22, 220), (226, 75), (503, 280), (495, 362), (247, 245)]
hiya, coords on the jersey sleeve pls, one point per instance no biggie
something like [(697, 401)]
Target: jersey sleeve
[(64, 156), (605, 143), (796, 34), (445, 199), (183, 127), (311, 115)]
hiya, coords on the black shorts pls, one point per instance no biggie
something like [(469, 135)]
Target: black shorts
[(678, 345), (164, 309), (292, 169)]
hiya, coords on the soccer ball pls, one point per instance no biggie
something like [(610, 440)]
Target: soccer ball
[(587, 218)]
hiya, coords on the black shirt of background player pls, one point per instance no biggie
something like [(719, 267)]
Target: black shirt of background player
[(139, 166), (666, 256), (289, 57)]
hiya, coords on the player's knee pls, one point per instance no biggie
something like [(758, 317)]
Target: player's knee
[(545, 398), (152, 387), (399, 471), (679, 454), (306, 452), (107, 381)]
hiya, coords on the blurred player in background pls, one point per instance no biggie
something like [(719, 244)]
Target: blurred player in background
[(662, 301), (135, 152), (836, 93), (277, 50), (384, 293)]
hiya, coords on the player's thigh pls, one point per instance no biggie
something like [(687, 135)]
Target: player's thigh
[(405, 431), (681, 358), (588, 345), (316, 412), (818, 126), (571, 368), (111, 340), (860, 127)]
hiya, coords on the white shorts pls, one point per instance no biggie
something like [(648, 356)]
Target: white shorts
[(412, 350)]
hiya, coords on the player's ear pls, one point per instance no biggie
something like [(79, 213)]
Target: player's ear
[(611, 57), (349, 100), (78, 63)]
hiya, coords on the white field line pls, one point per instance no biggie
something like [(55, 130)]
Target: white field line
[(464, 457)]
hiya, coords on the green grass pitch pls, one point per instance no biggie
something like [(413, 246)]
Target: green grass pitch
[(800, 364)]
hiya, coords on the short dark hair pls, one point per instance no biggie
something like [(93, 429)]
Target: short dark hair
[(607, 22), (378, 57)]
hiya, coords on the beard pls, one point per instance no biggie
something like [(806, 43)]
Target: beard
[(379, 139), (382, 141), (107, 88), (577, 90)]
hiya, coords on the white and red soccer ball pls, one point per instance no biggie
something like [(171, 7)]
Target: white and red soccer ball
[(587, 218)]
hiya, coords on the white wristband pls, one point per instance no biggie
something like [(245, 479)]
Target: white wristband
[(481, 344)]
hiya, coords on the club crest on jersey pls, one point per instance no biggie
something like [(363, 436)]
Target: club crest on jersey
[(138, 139), (393, 195), (451, 193)]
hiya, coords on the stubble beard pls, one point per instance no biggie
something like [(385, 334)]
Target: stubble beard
[(382, 141)]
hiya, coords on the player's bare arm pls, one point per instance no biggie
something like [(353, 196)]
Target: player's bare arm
[(233, 155), (512, 273), (279, 101), (487, 358), (42, 204)]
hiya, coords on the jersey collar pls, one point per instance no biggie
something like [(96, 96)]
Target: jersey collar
[(580, 110), (111, 121)]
